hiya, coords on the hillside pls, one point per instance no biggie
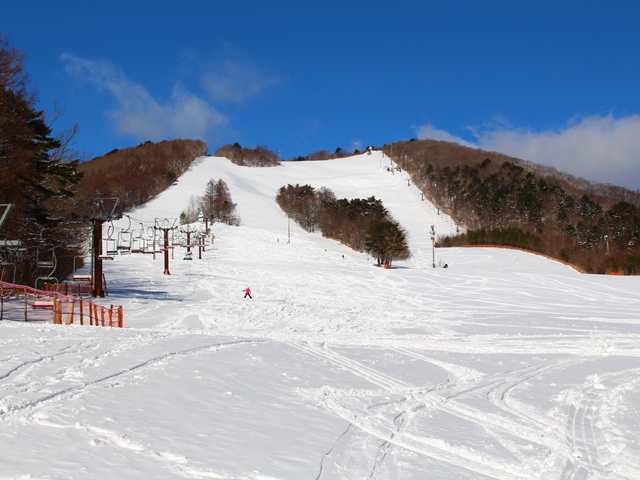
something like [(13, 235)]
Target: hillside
[(505, 365), (493, 199), (365, 174), (506, 201), (137, 174)]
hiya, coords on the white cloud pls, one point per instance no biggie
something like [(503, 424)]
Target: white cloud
[(599, 148), (137, 113), (429, 132), (237, 81)]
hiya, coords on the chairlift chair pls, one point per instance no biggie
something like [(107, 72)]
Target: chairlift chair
[(124, 242), (10, 254), (155, 241), (4, 264), (139, 242), (110, 243), (77, 276), (150, 237), (46, 259), (138, 245), (125, 239)]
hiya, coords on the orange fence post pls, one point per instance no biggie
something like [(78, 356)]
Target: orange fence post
[(111, 316), (70, 312), (57, 311), (81, 312), (120, 317)]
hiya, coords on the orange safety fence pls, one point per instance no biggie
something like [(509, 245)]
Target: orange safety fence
[(18, 302), (73, 289)]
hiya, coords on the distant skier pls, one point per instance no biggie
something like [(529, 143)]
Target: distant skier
[(247, 293)]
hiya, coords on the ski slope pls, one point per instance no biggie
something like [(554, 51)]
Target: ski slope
[(505, 365)]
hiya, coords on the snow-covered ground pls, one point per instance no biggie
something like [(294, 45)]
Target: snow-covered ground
[(503, 366)]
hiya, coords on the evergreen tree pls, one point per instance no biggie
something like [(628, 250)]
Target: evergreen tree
[(387, 241)]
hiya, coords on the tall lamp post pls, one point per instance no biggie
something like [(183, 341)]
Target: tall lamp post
[(433, 245)]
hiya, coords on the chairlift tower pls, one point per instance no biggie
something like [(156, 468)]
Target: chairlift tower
[(97, 211), (188, 231), (166, 225)]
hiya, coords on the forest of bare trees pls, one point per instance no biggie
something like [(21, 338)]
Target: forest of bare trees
[(137, 174), (260, 156), (215, 205)]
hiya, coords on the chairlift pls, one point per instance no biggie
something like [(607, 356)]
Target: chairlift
[(4, 264), (77, 276), (139, 242), (46, 258), (178, 238), (155, 240), (125, 239), (150, 237), (172, 238), (110, 243), (11, 252)]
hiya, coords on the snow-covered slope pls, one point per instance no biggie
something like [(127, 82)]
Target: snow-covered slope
[(254, 190), (503, 366)]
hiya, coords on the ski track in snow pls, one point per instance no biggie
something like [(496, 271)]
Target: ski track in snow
[(503, 366), (46, 396)]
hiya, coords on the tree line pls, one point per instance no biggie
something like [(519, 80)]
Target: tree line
[(260, 156), (361, 224)]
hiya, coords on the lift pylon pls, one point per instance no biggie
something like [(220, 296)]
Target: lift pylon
[(98, 211)]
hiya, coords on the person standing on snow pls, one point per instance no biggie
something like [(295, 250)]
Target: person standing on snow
[(247, 292)]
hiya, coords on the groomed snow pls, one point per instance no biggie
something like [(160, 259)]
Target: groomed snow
[(505, 365)]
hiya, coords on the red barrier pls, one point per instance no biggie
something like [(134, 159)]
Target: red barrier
[(39, 305)]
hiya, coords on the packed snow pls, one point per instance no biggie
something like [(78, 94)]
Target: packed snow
[(505, 365)]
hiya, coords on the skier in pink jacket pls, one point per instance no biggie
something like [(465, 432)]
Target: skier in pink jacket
[(247, 292)]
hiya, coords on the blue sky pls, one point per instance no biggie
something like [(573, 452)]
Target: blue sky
[(555, 82)]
